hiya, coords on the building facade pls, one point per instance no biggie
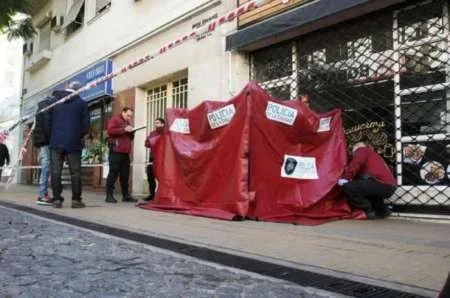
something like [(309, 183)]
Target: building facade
[(384, 63), (10, 80), (85, 39)]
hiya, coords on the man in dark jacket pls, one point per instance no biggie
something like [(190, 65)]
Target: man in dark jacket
[(41, 140), (367, 181), (121, 135), (159, 129), (4, 157), (68, 122)]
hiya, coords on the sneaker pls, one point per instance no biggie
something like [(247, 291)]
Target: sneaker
[(57, 204), (129, 199), (45, 201), (78, 204)]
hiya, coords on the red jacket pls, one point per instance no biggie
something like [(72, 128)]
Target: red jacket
[(367, 161), (151, 139), (119, 139)]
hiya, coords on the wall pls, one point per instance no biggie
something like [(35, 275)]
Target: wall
[(101, 36)]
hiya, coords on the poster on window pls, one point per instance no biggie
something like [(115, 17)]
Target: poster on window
[(426, 163)]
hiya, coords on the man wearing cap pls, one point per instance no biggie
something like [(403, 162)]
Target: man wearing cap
[(68, 123)]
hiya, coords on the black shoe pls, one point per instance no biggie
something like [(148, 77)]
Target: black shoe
[(78, 204), (129, 199), (371, 215), (110, 199), (149, 198), (57, 204), (385, 213)]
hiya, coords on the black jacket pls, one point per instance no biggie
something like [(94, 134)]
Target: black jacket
[(4, 155), (41, 134), (68, 123)]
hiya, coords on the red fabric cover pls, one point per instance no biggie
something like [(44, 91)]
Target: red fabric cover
[(280, 199), (203, 173), (118, 137), (234, 171)]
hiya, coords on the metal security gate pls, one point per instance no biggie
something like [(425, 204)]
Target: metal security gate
[(390, 74)]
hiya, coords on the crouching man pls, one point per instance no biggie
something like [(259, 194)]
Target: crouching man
[(367, 181)]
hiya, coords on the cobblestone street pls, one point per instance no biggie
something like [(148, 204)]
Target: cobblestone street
[(41, 258)]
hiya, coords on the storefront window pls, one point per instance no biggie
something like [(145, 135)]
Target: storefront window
[(96, 140), (390, 75)]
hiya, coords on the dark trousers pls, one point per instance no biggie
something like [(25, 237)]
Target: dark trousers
[(119, 165), (57, 161), (368, 195), (151, 179)]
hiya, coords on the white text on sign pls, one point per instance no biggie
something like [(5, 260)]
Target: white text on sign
[(180, 125), (221, 117), (280, 113)]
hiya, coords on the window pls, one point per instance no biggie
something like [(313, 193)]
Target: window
[(75, 17), (173, 94), (44, 36), (101, 6), (180, 93)]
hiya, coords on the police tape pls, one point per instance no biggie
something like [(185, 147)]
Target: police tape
[(97, 165), (191, 35)]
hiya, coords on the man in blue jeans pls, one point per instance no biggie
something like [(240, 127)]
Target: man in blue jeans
[(41, 140)]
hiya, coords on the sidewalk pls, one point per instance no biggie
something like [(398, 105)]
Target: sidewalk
[(391, 253)]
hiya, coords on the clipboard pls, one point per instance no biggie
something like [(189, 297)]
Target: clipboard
[(137, 129)]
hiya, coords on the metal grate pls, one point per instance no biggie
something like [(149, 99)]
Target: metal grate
[(156, 104), (390, 74), (180, 93)]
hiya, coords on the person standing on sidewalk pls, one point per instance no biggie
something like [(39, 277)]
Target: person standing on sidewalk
[(159, 130), (69, 123), (41, 140), (4, 157), (121, 135), (367, 181)]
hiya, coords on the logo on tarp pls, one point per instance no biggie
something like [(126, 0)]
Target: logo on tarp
[(221, 117), (280, 113), (298, 167), (325, 124), (180, 125)]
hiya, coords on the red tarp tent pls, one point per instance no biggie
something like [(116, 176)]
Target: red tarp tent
[(288, 131), (252, 156), (202, 170)]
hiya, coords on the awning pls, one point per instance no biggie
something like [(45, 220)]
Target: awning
[(73, 12), (302, 20)]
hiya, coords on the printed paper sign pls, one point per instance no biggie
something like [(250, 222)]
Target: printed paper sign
[(325, 124), (297, 167), (180, 125), (280, 113), (221, 117)]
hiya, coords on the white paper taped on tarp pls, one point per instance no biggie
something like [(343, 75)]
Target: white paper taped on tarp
[(180, 125), (298, 167), (222, 116), (281, 113), (325, 124)]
